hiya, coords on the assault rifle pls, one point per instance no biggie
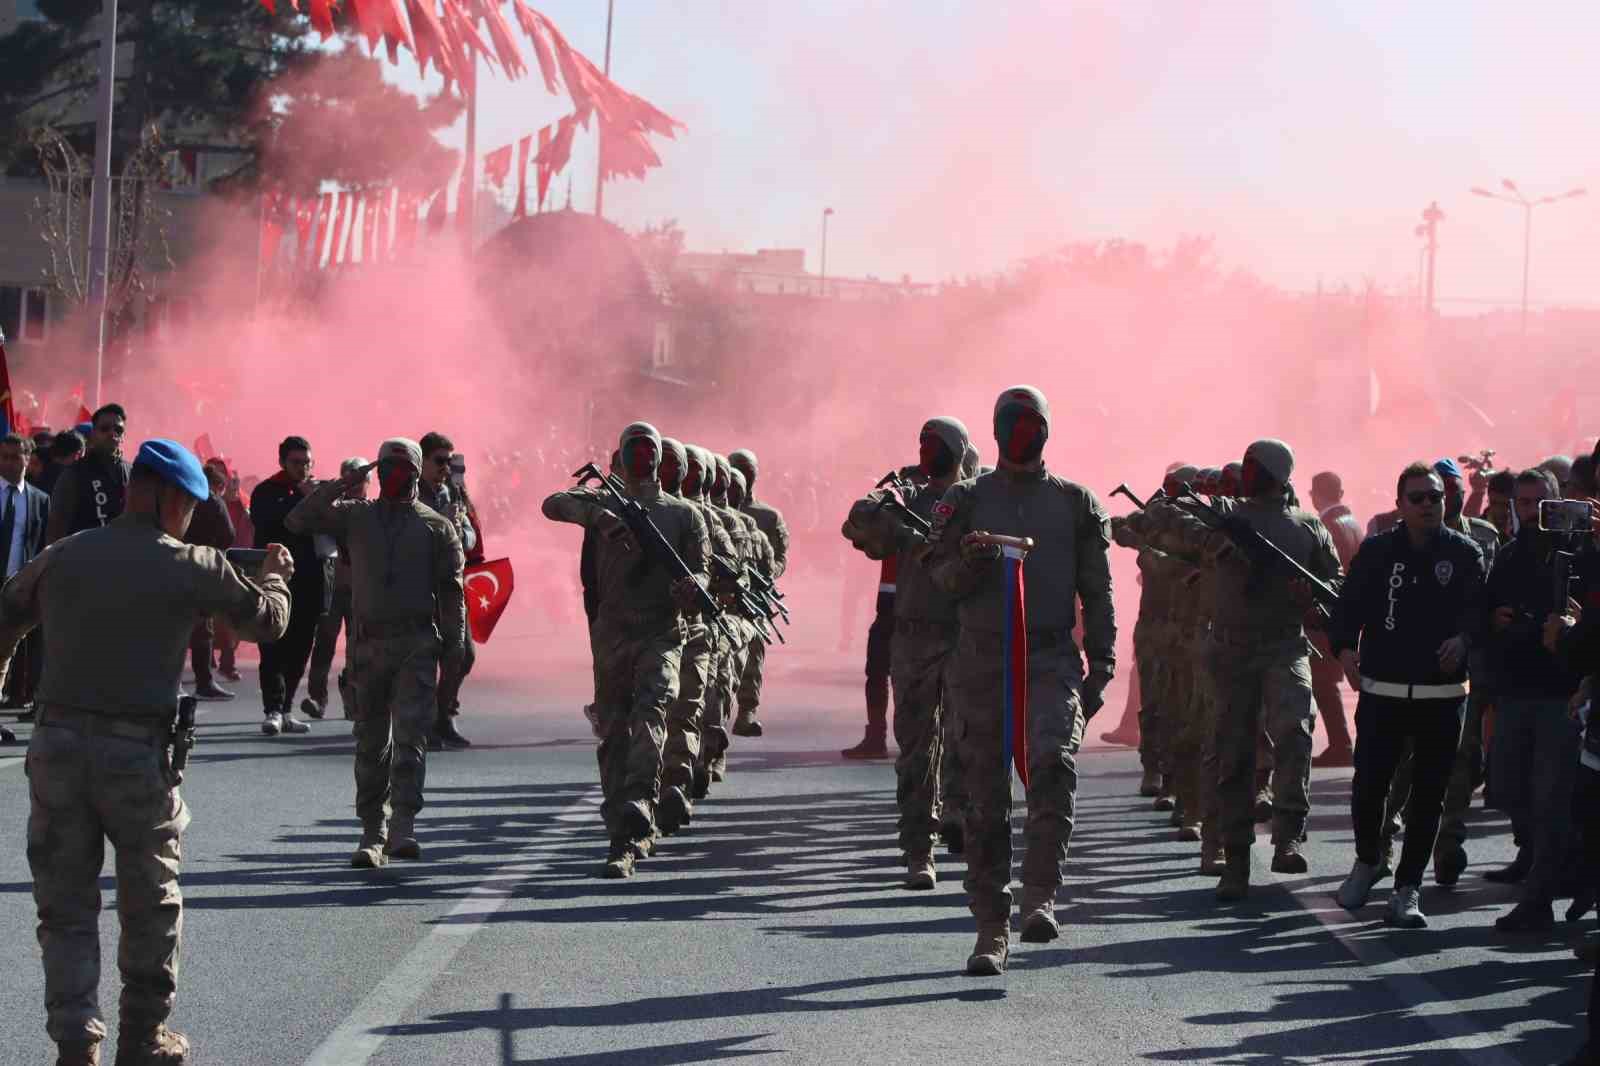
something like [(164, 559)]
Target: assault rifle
[(897, 485), (1259, 548), (182, 736), (1124, 490), (751, 600), (648, 535)]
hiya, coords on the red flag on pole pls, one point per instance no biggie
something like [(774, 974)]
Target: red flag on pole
[(546, 159), (204, 448), (489, 586), (522, 178), (497, 166)]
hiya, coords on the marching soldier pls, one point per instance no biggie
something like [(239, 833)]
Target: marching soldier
[(638, 637), (770, 521), (410, 619), (1068, 564)]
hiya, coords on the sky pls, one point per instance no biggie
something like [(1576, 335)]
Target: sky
[(953, 139)]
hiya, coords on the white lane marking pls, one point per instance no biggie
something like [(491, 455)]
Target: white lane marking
[(1447, 1020), (360, 1035)]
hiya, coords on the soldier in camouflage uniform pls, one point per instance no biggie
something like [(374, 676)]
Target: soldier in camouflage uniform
[(638, 638), (1259, 659), (409, 613), (925, 631), (680, 478), (117, 605), (770, 521), (1069, 563)]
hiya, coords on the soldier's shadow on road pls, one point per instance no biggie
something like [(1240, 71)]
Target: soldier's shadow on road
[(523, 1024)]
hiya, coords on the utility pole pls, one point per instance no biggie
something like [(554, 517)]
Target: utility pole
[(100, 195), (827, 213), (600, 127), (1431, 217)]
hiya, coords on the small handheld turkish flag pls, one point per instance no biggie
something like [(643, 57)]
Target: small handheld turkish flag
[(489, 587)]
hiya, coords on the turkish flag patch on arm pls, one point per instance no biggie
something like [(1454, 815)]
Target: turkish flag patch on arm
[(489, 586)]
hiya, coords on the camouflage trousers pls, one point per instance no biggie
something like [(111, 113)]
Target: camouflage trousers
[(91, 780), (1261, 678), (390, 689), (975, 674), (636, 672), (917, 672), (1195, 760), (751, 677), (686, 718), (1153, 649)]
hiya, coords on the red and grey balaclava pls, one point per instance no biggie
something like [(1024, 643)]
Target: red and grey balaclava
[(639, 451), (674, 465), (1268, 465), (1021, 424), (399, 468), (744, 461), (1232, 480), (1173, 483), (942, 446), (694, 472)]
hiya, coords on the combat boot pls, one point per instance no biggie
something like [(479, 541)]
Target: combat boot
[(1189, 833), (403, 838), (369, 853), (313, 708), (988, 958), (1263, 812), (619, 862), (1286, 858), (1149, 783), (920, 873), (1164, 801), (1449, 863), (718, 769), (1038, 913), (1213, 858), (701, 786), (634, 821), (745, 725), (873, 746), (954, 834), (78, 1053), (674, 811), (146, 1046), (1235, 883)]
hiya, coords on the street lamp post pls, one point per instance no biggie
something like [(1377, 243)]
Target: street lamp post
[(1517, 197), (1428, 230), (827, 213)]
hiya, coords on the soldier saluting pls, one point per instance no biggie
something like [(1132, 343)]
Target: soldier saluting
[(1068, 564), (117, 604)]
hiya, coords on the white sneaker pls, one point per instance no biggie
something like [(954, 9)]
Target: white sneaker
[(291, 724), (272, 724), (1405, 908), (1357, 887)]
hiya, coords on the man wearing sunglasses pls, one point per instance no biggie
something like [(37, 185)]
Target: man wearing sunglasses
[(92, 491), (1409, 613)]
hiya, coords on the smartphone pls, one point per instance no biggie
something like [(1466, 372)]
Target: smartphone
[(246, 558), (1566, 516)]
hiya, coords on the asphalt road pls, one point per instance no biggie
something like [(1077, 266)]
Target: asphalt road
[(774, 929)]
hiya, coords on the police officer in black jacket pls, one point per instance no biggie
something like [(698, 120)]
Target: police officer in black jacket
[(1410, 610)]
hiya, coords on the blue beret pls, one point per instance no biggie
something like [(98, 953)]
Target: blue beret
[(83, 429), (1447, 468), (176, 464)]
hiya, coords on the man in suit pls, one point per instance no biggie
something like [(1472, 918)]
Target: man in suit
[(24, 513)]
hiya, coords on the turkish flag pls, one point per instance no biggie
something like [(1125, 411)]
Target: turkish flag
[(204, 448), (489, 588)]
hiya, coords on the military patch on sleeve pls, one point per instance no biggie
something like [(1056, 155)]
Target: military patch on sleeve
[(943, 510)]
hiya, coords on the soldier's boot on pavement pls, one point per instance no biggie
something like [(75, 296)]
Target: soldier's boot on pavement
[(314, 708), (1235, 883), (1164, 801), (78, 1053), (1449, 863), (701, 785), (873, 746), (718, 769), (1038, 913), (674, 811), (645, 846), (147, 1046), (1189, 832), (1150, 784), (954, 834), (369, 854), (7, 736), (1287, 859), (920, 873), (403, 838), (1515, 873), (745, 725), (988, 958), (1213, 858), (619, 861), (449, 736), (636, 821)]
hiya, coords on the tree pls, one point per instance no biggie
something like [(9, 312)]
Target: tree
[(194, 68)]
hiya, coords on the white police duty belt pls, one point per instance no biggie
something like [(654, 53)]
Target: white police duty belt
[(1395, 690)]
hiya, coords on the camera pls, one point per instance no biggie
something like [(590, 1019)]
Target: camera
[(1565, 516)]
